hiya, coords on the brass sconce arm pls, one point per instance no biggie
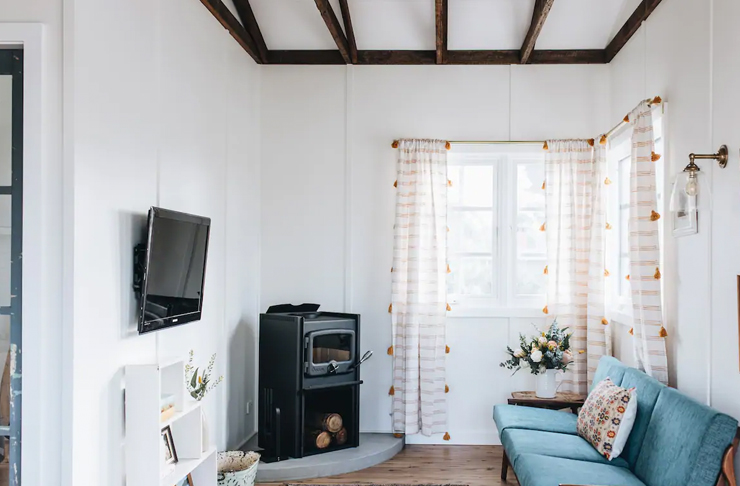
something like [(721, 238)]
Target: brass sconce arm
[(721, 157)]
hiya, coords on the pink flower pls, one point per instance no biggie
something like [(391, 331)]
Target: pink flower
[(552, 345), (567, 357)]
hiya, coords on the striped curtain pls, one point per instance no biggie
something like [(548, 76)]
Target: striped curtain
[(644, 240), (575, 171), (419, 301)]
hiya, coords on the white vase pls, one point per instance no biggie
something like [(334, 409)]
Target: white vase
[(546, 384), (205, 434)]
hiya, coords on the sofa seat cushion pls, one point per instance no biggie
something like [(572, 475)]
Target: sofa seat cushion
[(518, 442), (537, 470), (530, 418)]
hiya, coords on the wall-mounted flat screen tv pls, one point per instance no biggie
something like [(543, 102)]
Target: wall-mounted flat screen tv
[(173, 269)]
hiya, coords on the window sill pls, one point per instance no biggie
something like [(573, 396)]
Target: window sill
[(473, 312), (619, 316)]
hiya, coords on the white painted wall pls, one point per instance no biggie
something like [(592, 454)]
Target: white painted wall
[(163, 107), (687, 53), (328, 198)]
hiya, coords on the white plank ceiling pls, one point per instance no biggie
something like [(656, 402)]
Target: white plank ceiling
[(473, 24)]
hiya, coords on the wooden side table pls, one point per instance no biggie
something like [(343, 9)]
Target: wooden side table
[(573, 401)]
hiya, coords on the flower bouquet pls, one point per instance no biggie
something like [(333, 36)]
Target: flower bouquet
[(544, 354)]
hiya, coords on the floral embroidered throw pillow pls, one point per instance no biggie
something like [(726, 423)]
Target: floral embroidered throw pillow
[(607, 417)]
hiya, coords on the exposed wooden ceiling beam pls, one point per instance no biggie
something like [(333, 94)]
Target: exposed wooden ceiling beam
[(347, 18), (641, 13), (441, 21), (499, 57), (335, 29), (230, 23), (539, 15), (250, 23)]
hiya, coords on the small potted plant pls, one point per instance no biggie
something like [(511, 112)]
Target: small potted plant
[(545, 354), (199, 384)]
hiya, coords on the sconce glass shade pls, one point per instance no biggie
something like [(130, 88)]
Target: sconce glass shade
[(691, 192)]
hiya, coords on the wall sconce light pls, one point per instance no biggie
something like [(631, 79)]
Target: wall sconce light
[(691, 192)]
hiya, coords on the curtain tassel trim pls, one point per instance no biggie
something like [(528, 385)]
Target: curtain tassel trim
[(542, 228), (398, 436), (663, 333), (606, 272), (390, 308), (543, 185), (447, 389), (626, 118), (448, 146), (602, 140), (545, 272), (390, 351), (608, 226), (581, 351), (449, 308), (632, 331), (591, 141), (446, 436), (544, 146), (604, 321), (544, 310), (607, 181), (447, 349), (654, 157), (448, 268), (395, 183), (657, 275), (395, 144), (654, 216), (627, 277), (392, 391)]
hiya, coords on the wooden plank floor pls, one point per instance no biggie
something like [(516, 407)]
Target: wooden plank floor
[(419, 464)]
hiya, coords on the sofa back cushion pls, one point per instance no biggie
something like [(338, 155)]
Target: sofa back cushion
[(684, 442), (611, 368), (648, 390)]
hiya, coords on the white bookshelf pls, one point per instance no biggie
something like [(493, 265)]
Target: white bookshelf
[(145, 385)]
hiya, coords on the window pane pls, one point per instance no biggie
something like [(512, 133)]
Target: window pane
[(530, 277), (529, 185), (624, 235), (471, 231), (530, 241), (624, 270), (5, 250), (6, 133), (475, 275), (624, 181), (476, 186)]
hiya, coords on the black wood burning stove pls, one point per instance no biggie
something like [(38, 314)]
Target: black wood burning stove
[(309, 383)]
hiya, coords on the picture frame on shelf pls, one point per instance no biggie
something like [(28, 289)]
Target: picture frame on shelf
[(186, 481), (169, 453)]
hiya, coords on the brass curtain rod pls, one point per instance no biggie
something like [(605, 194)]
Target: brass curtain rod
[(651, 101)]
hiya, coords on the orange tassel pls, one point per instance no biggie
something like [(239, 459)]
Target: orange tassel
[(449, 183), (545, 147), (448, 268), (632, 331), (390, 351), (542, 228), (590, 141), (544, 310), (449, 308), (657, 100), (654, 216), (545, 272), (392, 391), (654, 157), (395, 183), (395, 144), (581, 351), (543, 185), (604, 321), (447, 389), (447, 349), (663, 333), (390, 308), (446, 436), (448, 229), (606, 272), (657, 275), (607, 181), (398, 436), (602, 140), (627, 277), (626, 118), (448, 146), (608, 226), (391, 269)]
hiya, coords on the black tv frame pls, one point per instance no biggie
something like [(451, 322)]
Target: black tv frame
[(141, 266)]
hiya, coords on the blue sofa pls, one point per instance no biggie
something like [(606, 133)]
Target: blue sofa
[(675, 441)]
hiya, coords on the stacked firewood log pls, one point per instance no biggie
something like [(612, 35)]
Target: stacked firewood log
[(325, 429)]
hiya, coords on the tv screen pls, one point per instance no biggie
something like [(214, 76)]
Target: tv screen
[(174, 270)]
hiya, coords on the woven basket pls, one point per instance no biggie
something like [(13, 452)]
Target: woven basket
[(236, 468)]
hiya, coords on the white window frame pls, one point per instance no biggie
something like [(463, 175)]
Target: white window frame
[(504, 158)]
